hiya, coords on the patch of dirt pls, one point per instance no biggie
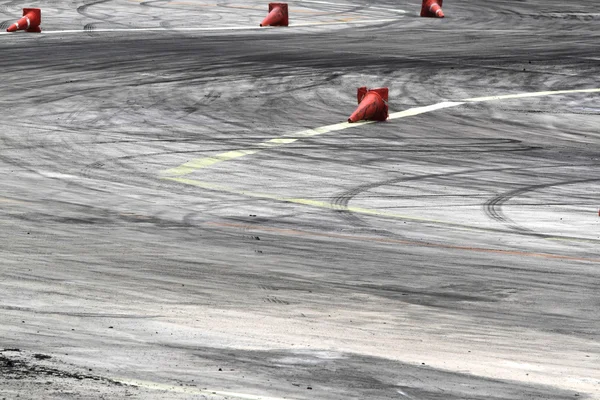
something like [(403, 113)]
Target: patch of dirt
[(15, 364)]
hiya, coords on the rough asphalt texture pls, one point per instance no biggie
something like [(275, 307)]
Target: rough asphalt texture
[(479, 279)]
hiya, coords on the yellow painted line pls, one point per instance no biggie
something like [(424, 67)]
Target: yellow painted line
[(278, 141), (200, 163), (11, 201), (175, 174), (191, 390), (372, 212), (309, 202), (411, 112)]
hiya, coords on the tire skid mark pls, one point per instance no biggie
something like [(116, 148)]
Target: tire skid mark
[(342, 200), (493, 207), (518, 253), (365, 211)]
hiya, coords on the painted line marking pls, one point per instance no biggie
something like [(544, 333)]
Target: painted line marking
[(200, 163), (191, 390), (7, 200), (533, 94), (354, 21), (574, 14), (176, 174), (358, 210)]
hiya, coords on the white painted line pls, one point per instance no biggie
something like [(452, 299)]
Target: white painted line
[(403, 394), (219, 28), (422, 110), (200, 163), (574, 14), (176, 174)]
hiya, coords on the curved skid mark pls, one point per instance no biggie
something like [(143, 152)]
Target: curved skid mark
[(493, 207), (194, 165), (361, 210), (339, 204), (342, 200), (191, 166)]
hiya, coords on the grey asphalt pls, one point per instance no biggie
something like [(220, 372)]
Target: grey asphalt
[(447, 255)]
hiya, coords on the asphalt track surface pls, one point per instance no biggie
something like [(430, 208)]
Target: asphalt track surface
[(175, 222)]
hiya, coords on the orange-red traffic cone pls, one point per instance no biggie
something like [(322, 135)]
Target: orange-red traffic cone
[(372, 105), (278, 15), (32, 18), (432, 9)]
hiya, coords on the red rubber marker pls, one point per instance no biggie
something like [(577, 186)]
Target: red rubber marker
[(432, 9), (372, 105), (278, 15), (30, 22)]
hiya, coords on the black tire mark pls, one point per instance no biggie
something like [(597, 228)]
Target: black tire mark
[(151, 3), (5, 24), (493, 207), (275, 300), (340, 201), (107, 18), (267, 287), (83, 8), (89, 28)]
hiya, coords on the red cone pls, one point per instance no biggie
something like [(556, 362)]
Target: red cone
[(32, 18), (278, 15), (432, 9), (372, 105)]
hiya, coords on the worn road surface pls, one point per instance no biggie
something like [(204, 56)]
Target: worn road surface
[(184, 213)]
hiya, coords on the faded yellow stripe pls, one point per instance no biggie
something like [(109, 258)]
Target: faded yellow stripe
[(312, 203), (200, 163), (357, 210), (277, 142)]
